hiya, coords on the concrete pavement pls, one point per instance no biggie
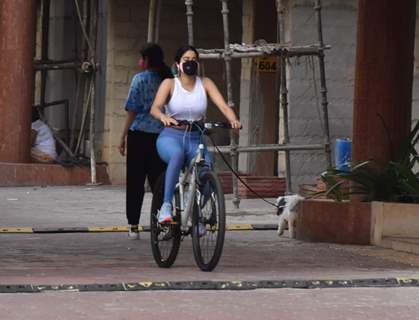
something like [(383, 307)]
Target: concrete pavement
[(97, 257), (99, 260)]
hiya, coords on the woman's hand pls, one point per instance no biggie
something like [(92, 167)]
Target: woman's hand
[(168, 121), (235, 124), (121, 146)]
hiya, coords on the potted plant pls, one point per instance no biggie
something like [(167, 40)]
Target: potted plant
[(392, 191), (384, 190), (394, 181)]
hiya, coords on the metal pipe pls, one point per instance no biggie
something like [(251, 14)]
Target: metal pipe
[(86, 106), (272, 147), (324, 103), (44, 49), (189, 20), (289, 53), (92, 135), (82, 80), (92, 128), (227, 60), (55, 65), (151, 17), (284, 98), (157, 22), (277, 84)]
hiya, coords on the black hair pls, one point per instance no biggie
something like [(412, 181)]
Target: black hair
[(155, 58), (181, 51)]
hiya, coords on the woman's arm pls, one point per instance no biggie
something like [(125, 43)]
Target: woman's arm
[(219, 101), (160, 100), (128, 120)]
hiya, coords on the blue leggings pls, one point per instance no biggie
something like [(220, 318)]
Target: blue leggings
[(177, 148)]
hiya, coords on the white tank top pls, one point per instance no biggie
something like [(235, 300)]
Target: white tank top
[(187, 105)]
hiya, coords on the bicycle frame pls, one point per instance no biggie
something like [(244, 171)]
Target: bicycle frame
[(187, 188)]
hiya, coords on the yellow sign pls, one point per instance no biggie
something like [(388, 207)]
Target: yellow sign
[(266, 64)]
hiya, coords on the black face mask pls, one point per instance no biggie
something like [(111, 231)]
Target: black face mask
[(190, 67)]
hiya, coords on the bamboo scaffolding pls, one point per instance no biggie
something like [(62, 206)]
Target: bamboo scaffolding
[(189, 20), (271, 147), (227, 61), (278, 82), (323, 90), (85, 66), (252, 51), (151, 20), (283, 95), (92, 128), (283, 52), (40, 65)]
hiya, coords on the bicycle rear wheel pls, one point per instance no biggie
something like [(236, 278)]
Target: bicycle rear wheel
[(208, 215), (165, 238)]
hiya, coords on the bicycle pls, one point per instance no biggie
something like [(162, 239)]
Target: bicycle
[(198, 203)]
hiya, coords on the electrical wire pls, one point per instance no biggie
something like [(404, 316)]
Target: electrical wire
[(83, 28), (234, 172)]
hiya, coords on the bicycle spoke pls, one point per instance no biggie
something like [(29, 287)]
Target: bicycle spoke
[(165, 238), (210, 213)]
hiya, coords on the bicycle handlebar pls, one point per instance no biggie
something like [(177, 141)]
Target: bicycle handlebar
[(206, 125)]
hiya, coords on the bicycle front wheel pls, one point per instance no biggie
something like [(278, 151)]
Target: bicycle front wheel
[(165, 238), (208, 222)]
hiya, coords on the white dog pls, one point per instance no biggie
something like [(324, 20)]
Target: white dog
[(287, 211)]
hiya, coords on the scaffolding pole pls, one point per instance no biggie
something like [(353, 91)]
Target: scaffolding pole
[(283, 52), (92, 127), (284, 96), (189, 21), (326, 132), (230, 102), (153, 28)]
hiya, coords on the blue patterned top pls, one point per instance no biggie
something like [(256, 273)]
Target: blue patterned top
[(141, 94)]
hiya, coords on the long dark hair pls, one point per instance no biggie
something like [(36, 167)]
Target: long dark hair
[(181, 51), (155, 58)]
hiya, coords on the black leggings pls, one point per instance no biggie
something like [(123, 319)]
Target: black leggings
[(142, 161)]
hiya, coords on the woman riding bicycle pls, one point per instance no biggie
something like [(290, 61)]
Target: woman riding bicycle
[(186, 98)]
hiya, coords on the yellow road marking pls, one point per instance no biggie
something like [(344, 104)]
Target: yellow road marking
[(242, 226), (407, 279), (112, 229), (146, 284)]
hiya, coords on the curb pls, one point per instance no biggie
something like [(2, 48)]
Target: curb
[(399, 282), (229, 227)]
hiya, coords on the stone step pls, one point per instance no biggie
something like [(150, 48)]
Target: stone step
[(406, 244)]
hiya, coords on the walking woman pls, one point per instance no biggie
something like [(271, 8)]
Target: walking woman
[(187, 100), (141, 131)]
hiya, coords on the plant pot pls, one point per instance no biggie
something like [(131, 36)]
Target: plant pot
[(336, 222)]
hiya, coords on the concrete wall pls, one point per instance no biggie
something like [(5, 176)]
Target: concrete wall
[(339, 26), (339, 30), (127, 31)]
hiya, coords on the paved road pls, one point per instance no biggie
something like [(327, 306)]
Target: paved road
[(284, 304), (112, 258), (251, 255)]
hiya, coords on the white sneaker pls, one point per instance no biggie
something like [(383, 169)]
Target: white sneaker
[(133, 232), (165, 213)]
